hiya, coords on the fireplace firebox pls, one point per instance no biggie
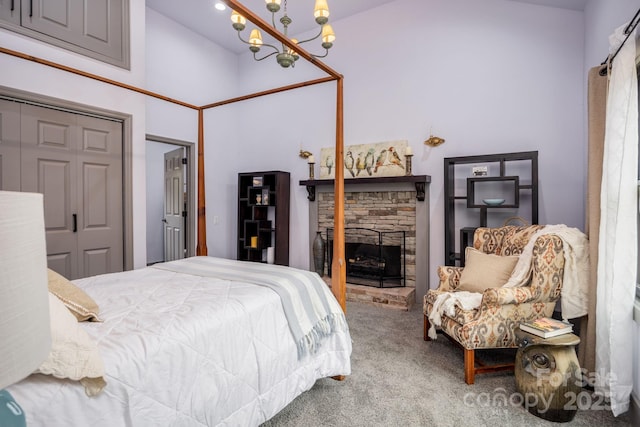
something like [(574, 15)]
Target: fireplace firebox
[(373, 258)]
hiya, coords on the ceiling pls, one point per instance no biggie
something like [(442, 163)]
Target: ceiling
[(202, 17)]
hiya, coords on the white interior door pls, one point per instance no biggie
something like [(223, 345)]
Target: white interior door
[(174, 205)]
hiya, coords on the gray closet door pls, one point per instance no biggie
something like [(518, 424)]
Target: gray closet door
[(76, 163), (100, 223), (9, 146), (92, 24)]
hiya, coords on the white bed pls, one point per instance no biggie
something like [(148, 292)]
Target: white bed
[(188, 350)]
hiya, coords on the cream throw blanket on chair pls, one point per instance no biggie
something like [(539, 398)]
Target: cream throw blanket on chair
[(574, 293)]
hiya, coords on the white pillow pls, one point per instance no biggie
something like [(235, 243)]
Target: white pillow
[(482, 271), (73, 354)]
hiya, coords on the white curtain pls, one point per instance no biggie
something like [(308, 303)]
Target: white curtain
[(618, 230)]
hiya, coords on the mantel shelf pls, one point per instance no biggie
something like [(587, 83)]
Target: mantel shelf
[(419, 180)]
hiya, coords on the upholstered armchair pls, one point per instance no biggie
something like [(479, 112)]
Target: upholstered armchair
[(501, 309)]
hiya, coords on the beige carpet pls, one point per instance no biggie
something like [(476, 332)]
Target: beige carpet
[(400, 380)]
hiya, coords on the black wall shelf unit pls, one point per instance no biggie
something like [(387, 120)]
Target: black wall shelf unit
[(505, 182), (263, 216)]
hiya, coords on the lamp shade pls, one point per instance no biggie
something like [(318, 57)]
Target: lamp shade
[(25, 334), (236, 18), (255, 38), (328, 36), (321, 9)]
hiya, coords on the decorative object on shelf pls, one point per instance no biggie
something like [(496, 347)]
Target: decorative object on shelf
[(312, 161), (254, 241), (258, 199), (493, 202), (434, 141), (319, 250), (305, 154), (286, 57), (518, 221), (270, 255), (367, 160), (265, 196), (408, 154)]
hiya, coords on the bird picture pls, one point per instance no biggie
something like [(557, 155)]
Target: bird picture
[(360, 163), (349, 163), (368, 161), (382, 157), (395, 157), (329, 164)]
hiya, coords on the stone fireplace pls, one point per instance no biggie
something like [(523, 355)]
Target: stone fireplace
[(394, 205)]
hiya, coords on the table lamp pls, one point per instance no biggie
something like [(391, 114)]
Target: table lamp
[(25, 333)]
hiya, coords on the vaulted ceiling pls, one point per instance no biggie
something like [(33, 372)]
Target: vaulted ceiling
[(202, 17)]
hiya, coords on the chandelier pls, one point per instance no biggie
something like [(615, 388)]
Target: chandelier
[(286, 57)]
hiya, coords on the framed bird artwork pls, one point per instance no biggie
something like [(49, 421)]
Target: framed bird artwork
[(366, 160)]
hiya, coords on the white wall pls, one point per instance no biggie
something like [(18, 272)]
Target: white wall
[(28, 76), (488, 76), (602, 17), (183, 65)]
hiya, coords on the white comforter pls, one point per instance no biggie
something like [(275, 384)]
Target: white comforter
[(184, 350)]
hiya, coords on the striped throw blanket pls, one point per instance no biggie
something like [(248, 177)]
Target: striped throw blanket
[(309, 306)]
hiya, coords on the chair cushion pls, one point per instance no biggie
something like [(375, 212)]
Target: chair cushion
[(483, 271)]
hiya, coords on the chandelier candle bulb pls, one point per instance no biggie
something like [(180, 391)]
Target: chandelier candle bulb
[(311, 159), (408, 151)]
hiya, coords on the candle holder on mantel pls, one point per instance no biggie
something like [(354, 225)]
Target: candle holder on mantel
[(408, 157), (312, 162)]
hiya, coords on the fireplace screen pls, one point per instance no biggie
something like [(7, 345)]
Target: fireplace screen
[(374, 258)]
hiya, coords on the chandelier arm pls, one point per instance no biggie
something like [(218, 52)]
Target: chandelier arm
[(264, 57), (326, 52), (311, 39)]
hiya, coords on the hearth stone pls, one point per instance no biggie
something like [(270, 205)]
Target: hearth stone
[(401, 299)]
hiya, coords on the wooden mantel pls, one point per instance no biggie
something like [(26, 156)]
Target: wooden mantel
[(419, 180)]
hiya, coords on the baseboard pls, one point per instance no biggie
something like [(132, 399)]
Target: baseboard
[(634, 407)]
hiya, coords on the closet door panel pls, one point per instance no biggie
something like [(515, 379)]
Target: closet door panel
[(57, 18), (100, 237), (10, 11), (9, 146), (49, 166)]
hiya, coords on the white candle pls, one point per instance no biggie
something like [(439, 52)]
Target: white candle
[(408, 151), (310, 159)]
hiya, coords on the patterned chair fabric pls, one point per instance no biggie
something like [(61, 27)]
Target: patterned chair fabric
[(492, 325)]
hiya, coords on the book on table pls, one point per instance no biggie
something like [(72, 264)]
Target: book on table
[(547, 327)]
